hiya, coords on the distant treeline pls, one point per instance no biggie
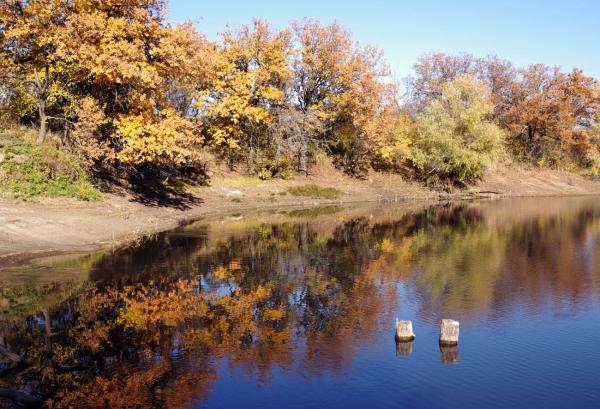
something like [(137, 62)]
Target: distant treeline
[(129, 93)]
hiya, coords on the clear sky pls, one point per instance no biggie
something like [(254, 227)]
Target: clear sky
[(564, 33)]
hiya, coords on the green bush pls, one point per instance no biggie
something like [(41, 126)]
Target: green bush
[(28, 170), (456, 141), (314, 191)]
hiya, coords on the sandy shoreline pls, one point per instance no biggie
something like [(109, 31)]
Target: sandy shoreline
[(31, 229)]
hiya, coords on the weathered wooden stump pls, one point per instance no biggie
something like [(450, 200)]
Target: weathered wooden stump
[(404, 331), (449, 331), (404, 348), (449, 354)]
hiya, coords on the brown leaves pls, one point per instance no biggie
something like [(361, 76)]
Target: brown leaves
[(551, 114)]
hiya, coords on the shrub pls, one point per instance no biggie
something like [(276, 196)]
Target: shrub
[(29, 170), (455, 139), (275, 168), (314, 191)]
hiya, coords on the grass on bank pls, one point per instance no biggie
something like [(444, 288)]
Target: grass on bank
[(314, 191), (28, 170)]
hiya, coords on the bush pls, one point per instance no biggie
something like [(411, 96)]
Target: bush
[(28, 170), (455, 141), (314, 191), (275, 168)]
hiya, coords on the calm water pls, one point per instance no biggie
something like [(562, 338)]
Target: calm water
[(296, 309)]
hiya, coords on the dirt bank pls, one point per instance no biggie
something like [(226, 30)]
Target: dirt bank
[(34, 227)]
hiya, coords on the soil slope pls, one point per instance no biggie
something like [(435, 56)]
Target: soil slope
[(28, 228)]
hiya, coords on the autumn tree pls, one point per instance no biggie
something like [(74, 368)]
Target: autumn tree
[(431, 72), (30, 32), (434, 70), (282, 96), (552, 115), (249, 80), (455, 140), (319, 59), (500, 76), (391, 150), (119, 79), (132, 64), (339, 90)]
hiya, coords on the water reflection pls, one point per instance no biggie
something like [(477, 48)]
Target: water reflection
[(300, 295), (449, 354), (404, 348)]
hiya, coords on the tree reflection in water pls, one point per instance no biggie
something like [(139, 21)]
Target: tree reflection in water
[(152, 322)]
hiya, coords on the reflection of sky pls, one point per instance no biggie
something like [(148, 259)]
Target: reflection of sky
[(523, 363), (218, 288), (529, 341), (523, 287)]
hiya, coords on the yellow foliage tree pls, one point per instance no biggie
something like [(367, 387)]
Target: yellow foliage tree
[(144, 73), (112, 67), (249, 77), (29, 34)]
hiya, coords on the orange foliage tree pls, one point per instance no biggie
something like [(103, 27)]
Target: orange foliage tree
[(340, 91), (119, 79), (551, 115)]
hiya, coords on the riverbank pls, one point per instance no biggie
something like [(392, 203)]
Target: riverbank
[(32, 228)]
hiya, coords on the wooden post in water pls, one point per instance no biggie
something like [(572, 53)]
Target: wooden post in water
[(449, 332), (404, 331)]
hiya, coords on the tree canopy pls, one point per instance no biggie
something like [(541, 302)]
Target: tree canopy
[(122, 88), (456, 138)]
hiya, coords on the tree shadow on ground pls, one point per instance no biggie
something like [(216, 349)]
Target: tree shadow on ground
[(151, 191), (162, 196)]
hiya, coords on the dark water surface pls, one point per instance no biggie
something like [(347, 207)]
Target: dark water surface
[(296, 309)]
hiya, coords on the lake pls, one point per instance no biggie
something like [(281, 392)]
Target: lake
[(295, 308)]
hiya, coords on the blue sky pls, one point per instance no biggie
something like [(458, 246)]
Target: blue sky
[(564, 33)]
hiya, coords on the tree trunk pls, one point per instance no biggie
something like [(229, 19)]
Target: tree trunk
[(48, 327), (43, 122), (303, 160), (40, 88)]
